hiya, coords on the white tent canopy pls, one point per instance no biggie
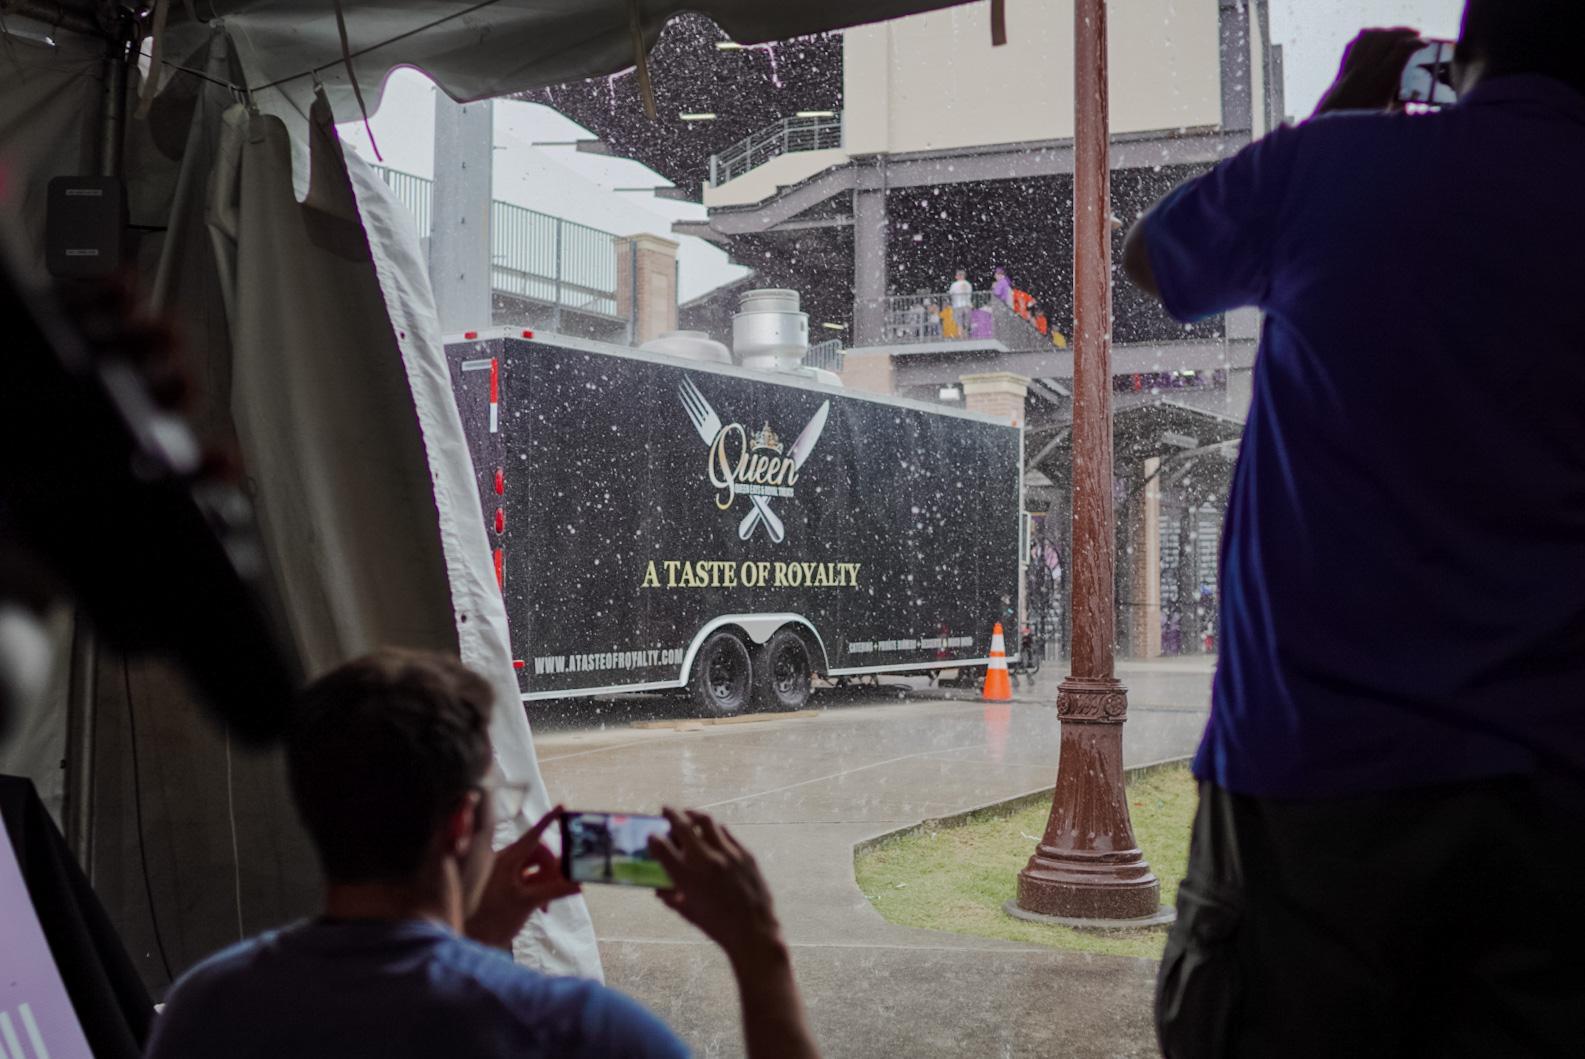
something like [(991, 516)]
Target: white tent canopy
[(302, 291), (472, 49)]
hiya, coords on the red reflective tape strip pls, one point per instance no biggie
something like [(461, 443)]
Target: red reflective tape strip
[(500, 482), (500, 520), (495, 395), (500, 577)]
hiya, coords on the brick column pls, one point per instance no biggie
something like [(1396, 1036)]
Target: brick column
[(869, 372), (997, 393), (656, 273), (1145, 560)]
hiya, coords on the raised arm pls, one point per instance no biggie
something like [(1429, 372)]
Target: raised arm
[(1136, 259), (719, 889), (1206, 247)]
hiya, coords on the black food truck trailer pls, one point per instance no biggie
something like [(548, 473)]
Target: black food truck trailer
[(662, 523)]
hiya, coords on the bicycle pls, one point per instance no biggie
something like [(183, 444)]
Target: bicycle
[(1031, 651)]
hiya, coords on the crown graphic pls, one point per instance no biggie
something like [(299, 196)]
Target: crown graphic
[(765, 438)]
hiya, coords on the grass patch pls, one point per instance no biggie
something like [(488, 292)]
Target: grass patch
[(640, 871), (956, 879)]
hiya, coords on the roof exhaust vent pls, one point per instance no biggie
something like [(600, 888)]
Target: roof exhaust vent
[(770, 332)]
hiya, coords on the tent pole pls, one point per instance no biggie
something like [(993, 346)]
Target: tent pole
[(55, 15), (113, 102), (82, 691), (81, 695)]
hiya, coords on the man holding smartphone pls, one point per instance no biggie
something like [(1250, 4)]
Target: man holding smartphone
[(388, 758), (1388, 856)]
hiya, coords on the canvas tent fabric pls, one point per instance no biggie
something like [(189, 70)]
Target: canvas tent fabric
[(302, 291), (472, 49), (354, 367), (315, 346)]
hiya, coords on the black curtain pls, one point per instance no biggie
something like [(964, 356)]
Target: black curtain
[(105, 989)]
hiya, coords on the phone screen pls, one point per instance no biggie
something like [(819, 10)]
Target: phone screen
[(1428, 78), (612, 848)]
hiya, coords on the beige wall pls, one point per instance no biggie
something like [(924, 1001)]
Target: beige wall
[(934, 81), (763, 181), (1257, 77)]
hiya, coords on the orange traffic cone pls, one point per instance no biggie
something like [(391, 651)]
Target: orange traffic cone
[(998, 686)]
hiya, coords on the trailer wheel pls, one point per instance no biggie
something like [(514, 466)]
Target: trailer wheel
[(723, 678), (782, 672)]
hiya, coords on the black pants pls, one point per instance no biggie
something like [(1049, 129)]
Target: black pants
[(1435, 922)]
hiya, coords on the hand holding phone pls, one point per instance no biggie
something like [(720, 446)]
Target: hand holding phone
[(1428, 77), (524, 878), (718, 887), (1372, 71)]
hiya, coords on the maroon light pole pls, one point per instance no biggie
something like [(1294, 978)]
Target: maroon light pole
[(1088, 866)]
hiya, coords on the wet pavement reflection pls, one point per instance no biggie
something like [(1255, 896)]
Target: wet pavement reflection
[(800, 790)]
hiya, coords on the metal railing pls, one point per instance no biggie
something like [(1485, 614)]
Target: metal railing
[(533, 255), (414, 192), (827, 355), (547, 259), (785, 137), (921, 318), (933, 318)]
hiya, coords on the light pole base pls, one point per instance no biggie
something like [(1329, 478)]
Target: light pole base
[(1088, 866), (1163, 917), (1072, 884)]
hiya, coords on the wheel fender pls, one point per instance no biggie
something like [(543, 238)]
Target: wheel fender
[(759, 628)]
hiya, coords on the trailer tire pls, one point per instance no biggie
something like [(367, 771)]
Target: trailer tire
[(723, 675), (783, 671)]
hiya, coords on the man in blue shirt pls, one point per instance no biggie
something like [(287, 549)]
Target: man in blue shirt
[(1387, 855), (387, 758)]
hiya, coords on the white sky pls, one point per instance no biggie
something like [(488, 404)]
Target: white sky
[(1313, 34), (561, 181), (581, 187)]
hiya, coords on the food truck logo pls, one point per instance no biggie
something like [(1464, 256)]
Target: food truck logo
[(753, 465)]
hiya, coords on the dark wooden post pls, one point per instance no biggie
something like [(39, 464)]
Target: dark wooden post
[(1088, 865)]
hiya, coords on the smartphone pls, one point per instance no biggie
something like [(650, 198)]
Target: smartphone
[(1428, 79), (612, 848)]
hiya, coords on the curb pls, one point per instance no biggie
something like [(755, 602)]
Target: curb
[(1003, 806), (694, 724)]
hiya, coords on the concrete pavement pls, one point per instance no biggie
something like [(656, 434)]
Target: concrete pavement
[(800, 792)]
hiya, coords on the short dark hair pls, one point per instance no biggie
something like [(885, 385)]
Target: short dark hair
[(1526, 37), (378, 752)]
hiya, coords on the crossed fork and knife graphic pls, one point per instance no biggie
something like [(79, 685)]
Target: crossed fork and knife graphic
[(708, 424)]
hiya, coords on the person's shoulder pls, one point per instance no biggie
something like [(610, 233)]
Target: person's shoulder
[(191, 1013), (1318, 153), (1361, 129), (230, 963), (583, 1017)]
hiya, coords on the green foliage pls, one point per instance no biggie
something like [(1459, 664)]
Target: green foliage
[(957, 879)]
